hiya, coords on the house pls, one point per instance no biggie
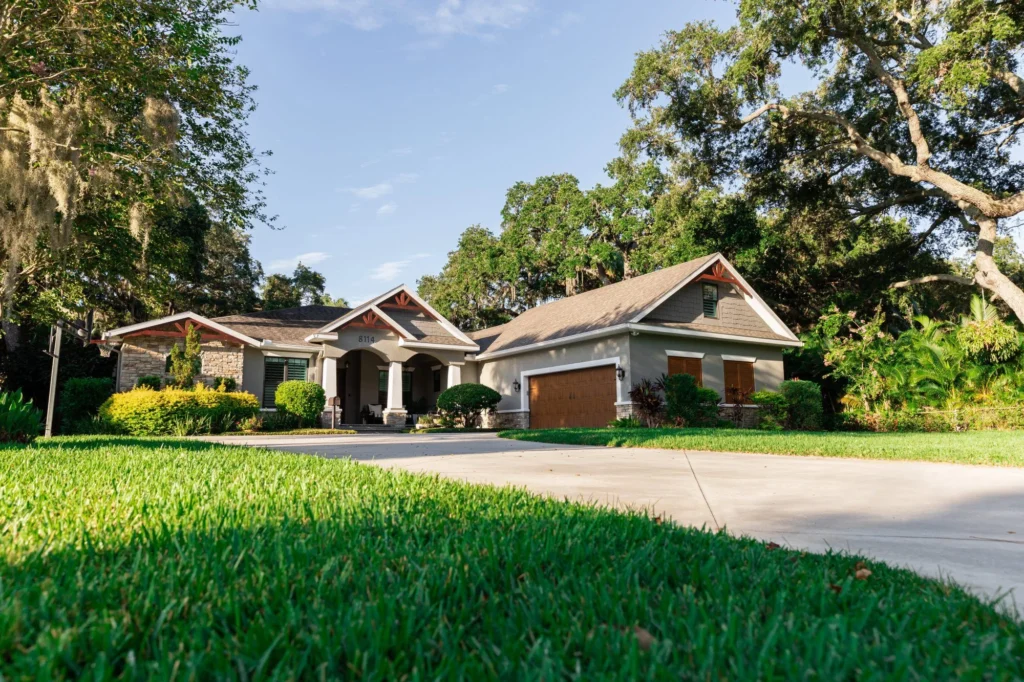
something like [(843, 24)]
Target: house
[(570, 362)]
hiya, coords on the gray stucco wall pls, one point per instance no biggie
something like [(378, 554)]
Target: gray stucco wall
[(687, 305), (649, 359), (252, 371), (501, 372)]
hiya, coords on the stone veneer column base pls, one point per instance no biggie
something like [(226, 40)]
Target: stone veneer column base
[(624, 411), (506, 420), (395, 417)]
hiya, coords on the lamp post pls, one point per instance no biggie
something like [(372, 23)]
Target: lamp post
[(82, 332)]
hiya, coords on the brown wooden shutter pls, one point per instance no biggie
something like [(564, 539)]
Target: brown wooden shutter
[(739, 381), (692, 366)]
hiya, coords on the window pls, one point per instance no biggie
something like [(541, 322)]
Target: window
[(710, 295), (437, 381), (692, 366), (739, 381), (406, 388), (278, 370), (382, 387)]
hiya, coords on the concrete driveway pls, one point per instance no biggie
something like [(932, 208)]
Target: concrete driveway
[(964, 522)]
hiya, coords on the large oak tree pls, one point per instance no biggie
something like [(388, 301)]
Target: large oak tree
[(916, 111)]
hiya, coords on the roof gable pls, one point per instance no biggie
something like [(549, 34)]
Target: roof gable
[(175, 325)]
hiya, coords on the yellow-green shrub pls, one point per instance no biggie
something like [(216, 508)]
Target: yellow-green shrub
[(145, 412)]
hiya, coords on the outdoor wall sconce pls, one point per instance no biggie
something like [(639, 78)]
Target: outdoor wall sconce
[(620, 373), (516, 386)]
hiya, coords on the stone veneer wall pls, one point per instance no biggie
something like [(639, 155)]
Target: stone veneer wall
[(506, 420), (147, 355)]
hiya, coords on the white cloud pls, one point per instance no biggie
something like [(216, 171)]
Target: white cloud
[(392, 269), (387, 209), (377, 191), (288, 264), (499, 89), (403, 178), (438, 18)]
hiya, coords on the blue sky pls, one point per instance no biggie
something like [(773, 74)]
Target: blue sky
[(395, 125)]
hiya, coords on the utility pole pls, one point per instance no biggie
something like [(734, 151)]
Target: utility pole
[(84, 334)]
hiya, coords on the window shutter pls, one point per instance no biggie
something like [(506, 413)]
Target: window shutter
[(692, 366), (739, 381), (273, 375), (297, 369)]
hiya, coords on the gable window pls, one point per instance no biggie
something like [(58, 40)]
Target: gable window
[(692, 366), (739, 381), (279, 370), (437, 380), (710, 296)]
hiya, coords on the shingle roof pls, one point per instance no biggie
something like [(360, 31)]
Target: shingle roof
[(718, 329), (288, 325), (423, 327), (608, 306)]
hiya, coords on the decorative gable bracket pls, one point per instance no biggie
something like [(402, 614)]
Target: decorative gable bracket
[(719, 273)]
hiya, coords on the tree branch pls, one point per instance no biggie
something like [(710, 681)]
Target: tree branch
[(956, 279)]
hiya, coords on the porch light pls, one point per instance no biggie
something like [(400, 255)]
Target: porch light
[(516, 386), (620, 373)]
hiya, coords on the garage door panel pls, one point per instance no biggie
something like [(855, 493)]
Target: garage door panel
[(578, 398)]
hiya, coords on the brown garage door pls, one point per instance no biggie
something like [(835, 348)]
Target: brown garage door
[(582, 397)]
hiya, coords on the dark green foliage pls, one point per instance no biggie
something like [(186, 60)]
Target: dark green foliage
[(468, 402), (304, 400), (20, 421), (80, 402), (279, 421), (648, 405), (150, 381), (689, 403), (773, 410), (228, 384), (209, 548), (803, 399), (625, 423)]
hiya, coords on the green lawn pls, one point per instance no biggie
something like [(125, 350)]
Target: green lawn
[(996, 448), (142, 558)]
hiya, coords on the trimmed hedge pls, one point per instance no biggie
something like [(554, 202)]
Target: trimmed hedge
[(303, 399), (145, 412), (468, 401), (805, 405), (773, 414), (687, 402), (80, 401)]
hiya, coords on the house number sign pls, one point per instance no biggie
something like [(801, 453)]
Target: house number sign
[(365, 338)]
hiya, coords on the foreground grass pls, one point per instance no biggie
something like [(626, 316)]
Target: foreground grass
[(150, 559), (998, 448)]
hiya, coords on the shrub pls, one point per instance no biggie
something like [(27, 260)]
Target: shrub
[(226, 384), (253, 423), (804, 401), (625, 423), (20, 421), (150, 381), (304, 399), (80, 401), (279, 421), (686, 401), (145, 412), (773, 412), (468, 401), (647, 402), (186, 361)]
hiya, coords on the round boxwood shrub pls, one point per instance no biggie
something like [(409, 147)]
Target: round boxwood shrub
[(145, 412), (304, 399), (688, 402), (805, 406), (772, 414), (468, 401), (80, 401)]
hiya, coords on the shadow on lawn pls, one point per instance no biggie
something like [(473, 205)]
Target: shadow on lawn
[(92, 442)]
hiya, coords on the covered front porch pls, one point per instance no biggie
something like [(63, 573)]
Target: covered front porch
[(374, 389)]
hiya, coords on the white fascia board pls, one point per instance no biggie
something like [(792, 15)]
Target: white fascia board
[(322, 336), (668, 331), (560, 341), (441, 319), (436, 346), (684, 354), (739, 358), (271, 345), (228, 331), (671, 292)]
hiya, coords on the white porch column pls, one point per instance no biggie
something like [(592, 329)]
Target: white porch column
[(454, 374), (394, 387), (329, 377)]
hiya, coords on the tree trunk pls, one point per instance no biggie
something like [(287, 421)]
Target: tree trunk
[(988, 275)]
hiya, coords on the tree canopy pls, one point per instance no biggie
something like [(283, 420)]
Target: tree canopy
[(915, 111)]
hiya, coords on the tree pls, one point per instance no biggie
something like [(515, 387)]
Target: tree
[(915, 112), (119, 109), (186, 359), (304, 287)]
